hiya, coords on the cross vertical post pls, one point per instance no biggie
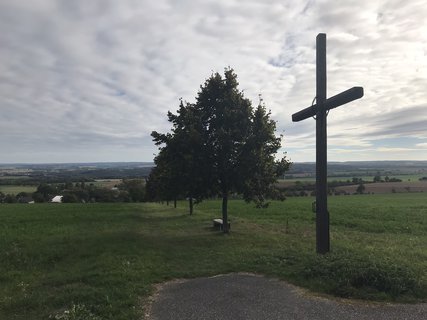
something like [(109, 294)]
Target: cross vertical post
[(320, 111), (322, 214)]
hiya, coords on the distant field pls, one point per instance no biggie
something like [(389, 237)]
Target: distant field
[(389, 187), (100, 261), (411, 184), (403, 177), (17, 177), (107, 183), (15, 189)]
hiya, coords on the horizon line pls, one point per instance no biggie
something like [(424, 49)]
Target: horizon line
[(152, 162)]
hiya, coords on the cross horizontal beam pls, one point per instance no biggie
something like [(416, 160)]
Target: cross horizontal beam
[(331, 103)]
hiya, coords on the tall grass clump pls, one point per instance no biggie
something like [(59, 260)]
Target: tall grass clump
[(348, 275)]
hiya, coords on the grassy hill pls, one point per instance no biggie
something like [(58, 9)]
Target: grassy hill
[(100, 261)]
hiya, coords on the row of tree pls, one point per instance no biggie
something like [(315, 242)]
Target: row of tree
[(129, 190), (378, 178), (218, 145)]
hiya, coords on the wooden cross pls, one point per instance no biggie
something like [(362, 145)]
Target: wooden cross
[(319, 110)]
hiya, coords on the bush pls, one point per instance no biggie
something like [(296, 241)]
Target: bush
[(70, 197), (364, 277), (360, 188), (10, 198), (134, 188)]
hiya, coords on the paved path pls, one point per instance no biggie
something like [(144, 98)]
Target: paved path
[(252, 297)]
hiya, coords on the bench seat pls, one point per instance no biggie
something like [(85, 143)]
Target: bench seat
[(218, 223)]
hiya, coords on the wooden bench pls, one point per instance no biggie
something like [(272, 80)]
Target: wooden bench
[(218, 224)]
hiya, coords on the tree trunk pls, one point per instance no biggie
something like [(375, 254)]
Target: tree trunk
[(167, 202), (224, 212), (190, 202), (174, 203)]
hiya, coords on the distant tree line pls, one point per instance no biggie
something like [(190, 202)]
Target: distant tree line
[(129, 190), (22, 197), (301, 188), (40, 176)]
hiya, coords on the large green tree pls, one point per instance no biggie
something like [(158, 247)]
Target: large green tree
[(221, 145), (241, 142)]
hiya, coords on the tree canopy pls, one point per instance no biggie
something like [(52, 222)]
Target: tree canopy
[(220, 145)]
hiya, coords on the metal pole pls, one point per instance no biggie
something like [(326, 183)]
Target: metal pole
[(322, 214)]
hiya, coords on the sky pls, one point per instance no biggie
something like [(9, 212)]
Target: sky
[(88, 81)]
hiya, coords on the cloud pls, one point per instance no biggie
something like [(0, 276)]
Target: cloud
[(91, 79)]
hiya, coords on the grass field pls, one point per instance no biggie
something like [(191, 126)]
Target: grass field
[(99, 261), (15, 189)]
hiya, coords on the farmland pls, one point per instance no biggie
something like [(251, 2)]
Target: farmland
[(26, 177), (15, 189), (389, 187), (376, 177), (103, 259)]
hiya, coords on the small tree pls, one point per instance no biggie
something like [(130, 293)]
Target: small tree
[(160, 183), (360, 188), (377, 178), (135, 189), (181, 160), (356, 180), (44, 192)]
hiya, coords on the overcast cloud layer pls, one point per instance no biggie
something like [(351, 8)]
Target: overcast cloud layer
[(85, 81)]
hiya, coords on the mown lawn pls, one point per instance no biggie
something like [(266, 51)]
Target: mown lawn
[(99, 261)]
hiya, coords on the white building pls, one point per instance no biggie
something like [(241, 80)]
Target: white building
[(56, 199)]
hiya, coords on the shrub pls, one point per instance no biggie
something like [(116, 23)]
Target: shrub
[(70, 197), (360, 189), (346, 275)]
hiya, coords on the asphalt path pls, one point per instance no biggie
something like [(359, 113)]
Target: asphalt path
[(250, 297)]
